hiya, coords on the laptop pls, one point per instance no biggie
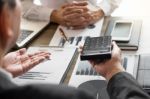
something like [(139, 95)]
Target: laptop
[(29, 28)]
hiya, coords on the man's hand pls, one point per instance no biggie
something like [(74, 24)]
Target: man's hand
[(76, 15), (59, 15), (109, 67), (19, 62), (82, 19)]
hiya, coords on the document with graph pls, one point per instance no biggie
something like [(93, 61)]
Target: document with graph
[(75, 37), (49, 71), (86, 78)]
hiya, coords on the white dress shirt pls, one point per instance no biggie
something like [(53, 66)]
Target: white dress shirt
[(43, 8)]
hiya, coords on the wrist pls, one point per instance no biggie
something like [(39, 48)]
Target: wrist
[(114, 71), (97, 15), (53, 17)]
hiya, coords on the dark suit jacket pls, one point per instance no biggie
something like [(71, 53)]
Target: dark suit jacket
[(9, 90), (124, 86), (121, 86)]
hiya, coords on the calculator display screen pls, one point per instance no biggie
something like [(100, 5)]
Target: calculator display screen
[(121, 29)]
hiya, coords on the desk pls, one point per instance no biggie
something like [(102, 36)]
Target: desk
[(130, 8), (45, 36)]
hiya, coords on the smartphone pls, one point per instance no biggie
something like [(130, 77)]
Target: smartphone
[(122, 30)]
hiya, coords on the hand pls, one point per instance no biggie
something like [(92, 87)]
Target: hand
[(110, 67), (74, 9), (96, 15), (79, 18), (19, 62)]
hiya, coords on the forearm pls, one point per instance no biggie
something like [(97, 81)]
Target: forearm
[(55, 17), (124, 86), (40, 13)]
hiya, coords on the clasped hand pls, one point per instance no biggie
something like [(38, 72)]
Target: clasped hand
[(19, 62), (76, 15)]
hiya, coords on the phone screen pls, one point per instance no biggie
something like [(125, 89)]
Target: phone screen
[(121, 29)]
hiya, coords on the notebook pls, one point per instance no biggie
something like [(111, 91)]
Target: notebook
[(29, 28), (133, 43), (49, 71)]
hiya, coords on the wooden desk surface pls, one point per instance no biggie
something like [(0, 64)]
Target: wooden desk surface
[(45, 36)]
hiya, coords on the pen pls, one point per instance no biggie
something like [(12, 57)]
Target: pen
[(63, 34)]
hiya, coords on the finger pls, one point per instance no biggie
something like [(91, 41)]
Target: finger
[(73, 16), (75, 4), (77, 17), (75, 9), (116, 49), (24, 57), (79, 50), (92, 63), (30, 64), (45, 55), (33, 54), (81, 46), (38, 53), (79, 11), (22, 51), (77, 24)]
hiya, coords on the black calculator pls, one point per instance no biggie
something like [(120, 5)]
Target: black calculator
[(98, 48)]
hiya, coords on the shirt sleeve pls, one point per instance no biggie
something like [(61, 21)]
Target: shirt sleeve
[(38, 12), (124, 86), (108, 6)]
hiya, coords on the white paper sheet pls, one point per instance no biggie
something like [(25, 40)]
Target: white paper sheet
[(49, 71), (83, 70), (82, 33)]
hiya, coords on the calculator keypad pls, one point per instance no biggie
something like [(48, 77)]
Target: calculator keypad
[(97, 44), (98, 48)]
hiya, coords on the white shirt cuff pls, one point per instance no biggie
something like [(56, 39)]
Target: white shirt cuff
[(39, 13), (108, 6)]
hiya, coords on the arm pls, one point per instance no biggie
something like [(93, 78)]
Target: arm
[(19, 62), (124, 86), (45, 91), (121, 85), (36, 11), (44, 12)]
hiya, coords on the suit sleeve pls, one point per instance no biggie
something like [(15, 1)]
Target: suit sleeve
[(38, 12), (124, 86), (44, 91)]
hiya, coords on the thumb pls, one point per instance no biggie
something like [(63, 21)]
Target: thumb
[(115, 46), (116, 50), (22, 51)]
